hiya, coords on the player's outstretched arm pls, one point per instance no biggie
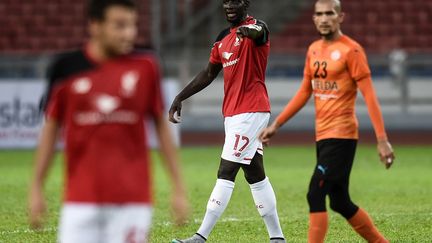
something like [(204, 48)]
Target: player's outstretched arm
[(253, 32), (295, 105), (258, 32), (385, 149), (179, 201), (201, 81), (43, 161)]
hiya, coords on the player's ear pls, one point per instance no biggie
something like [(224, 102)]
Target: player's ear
[(93, 28), (341, 17), (314, 18)]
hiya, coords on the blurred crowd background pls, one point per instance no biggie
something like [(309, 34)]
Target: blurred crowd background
[(397, 36)]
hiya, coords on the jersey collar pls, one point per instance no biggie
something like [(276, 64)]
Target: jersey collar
[(328, 43)]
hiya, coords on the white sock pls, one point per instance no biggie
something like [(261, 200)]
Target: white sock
[(265, 201), (216, 205)]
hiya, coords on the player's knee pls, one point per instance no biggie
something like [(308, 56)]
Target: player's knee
[(316, 201), (228, 171), (254, 177), (226, 175), (346, 208), (311, 198), (336, 206), (254, 172)]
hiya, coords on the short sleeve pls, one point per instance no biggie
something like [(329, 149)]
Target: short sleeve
[(52, 75), (306, 71), (357, 64), (55, 107), (214, 54), (265, 37)]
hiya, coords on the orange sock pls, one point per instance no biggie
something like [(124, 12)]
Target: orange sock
[(318, 224), (363, 225)]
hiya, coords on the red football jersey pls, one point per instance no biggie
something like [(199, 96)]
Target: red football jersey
[(244, 65), (102, 110)]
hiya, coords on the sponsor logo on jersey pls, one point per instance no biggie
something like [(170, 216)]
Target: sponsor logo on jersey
[(106, 111), (95, 118), (129, 82), (227, 55), (231, 63), (324, 85), (82, 86), (326, 96), (259, 206)]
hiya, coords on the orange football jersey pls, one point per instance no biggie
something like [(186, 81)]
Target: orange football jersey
[(333, 72)]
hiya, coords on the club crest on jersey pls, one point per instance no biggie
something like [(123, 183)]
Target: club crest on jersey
[(106, 104), (335, 55), (237, 42), (227, 55), (128, 83), (82, 86)]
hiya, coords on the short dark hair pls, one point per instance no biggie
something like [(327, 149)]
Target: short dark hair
[(337, 4), (96, 9)]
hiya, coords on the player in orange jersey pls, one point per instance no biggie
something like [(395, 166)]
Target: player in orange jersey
[(336, 66)]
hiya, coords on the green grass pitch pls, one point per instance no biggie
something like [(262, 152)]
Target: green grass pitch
[(399, 200)]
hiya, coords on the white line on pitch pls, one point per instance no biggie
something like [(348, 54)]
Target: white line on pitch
[(167, 223), (26, 231), (198, 221)]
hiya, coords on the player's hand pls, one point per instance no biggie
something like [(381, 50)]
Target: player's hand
[(385, 152), (180, 207), (242, 32), (175, 111), (37, 208), (249, 31), (267, 133)]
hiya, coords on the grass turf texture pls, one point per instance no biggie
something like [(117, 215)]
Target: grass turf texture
[(399, 200)]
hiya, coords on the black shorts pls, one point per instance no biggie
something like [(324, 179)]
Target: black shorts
[(335, 158)]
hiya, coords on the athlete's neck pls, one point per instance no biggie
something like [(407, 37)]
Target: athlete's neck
[(240, 21), (332, 37), (96, 52)]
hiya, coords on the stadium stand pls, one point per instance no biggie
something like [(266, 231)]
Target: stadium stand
[(31, 31), (40, 26), (379, 25)]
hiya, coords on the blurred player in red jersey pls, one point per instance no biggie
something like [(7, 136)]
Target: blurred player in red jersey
[(100, 96), (241, 51), (336, 66)]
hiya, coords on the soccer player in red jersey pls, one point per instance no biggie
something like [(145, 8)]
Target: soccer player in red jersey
[(241, 51), (99, 99), (336, 67)]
